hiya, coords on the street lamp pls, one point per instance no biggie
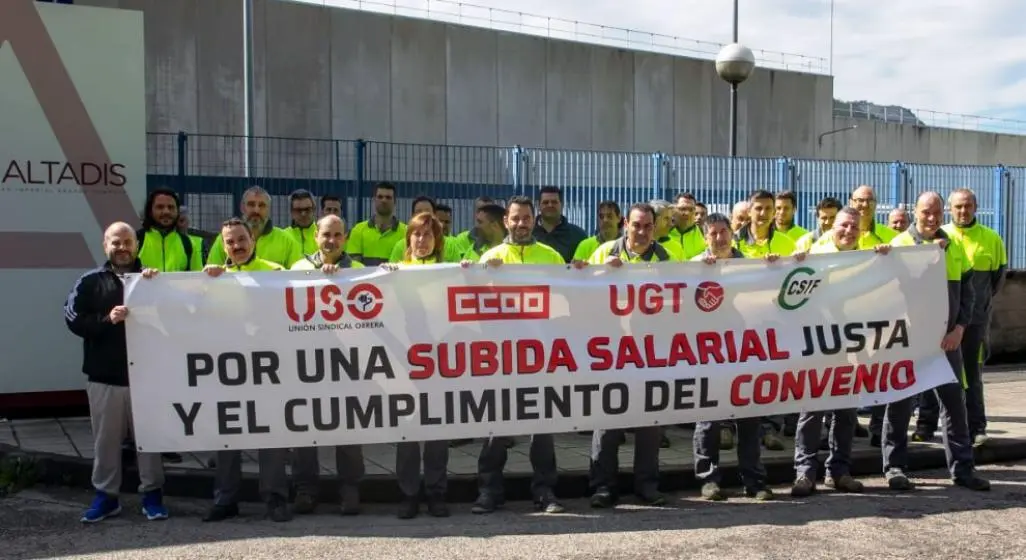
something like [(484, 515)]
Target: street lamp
[(734, 64)]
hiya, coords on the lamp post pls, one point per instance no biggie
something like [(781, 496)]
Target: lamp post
[(734, 64)]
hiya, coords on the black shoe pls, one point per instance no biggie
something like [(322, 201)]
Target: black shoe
[(221, 512), (664, 442), (350, 500), (549, 504), (409, 509), (485, 504), (651, 498), (602, 499), (921, 436), (973, 482), (790, 431), (171, 457), (874, 440), (436, 507), (510, 443), (861, 431), (278, 510)]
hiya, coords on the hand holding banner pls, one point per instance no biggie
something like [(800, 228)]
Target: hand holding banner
[(293, 359)]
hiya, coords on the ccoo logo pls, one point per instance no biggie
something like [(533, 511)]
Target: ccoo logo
[(708, 296)]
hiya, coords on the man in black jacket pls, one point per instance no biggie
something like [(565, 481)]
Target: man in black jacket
[(95, 311)]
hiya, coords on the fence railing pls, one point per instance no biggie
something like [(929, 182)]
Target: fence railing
[(925, 117), (211, 172)]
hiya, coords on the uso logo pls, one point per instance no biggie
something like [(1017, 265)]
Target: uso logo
[(709, 296), (331, 303)]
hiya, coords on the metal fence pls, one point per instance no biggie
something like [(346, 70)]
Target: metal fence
[(212, 171)]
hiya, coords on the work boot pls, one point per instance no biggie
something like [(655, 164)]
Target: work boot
[(304, 504), (350, 500), (803, 486), (711, 491), (602, 498), (843, 483)]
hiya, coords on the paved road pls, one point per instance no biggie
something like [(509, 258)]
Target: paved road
[(936, 521)]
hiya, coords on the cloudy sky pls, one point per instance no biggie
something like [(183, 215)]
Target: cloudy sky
[(941, 55)]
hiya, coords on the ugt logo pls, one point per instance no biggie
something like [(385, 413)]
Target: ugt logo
[(362, 301)]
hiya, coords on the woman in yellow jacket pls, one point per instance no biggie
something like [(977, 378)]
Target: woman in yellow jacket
[(424, 245)]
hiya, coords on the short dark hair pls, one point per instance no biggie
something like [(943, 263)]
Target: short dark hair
[(760, 194), (686, 196), (386, 186), (300, 194), (701, 205), (610, 205), (715, 218), (551, 190), (233, 222), (423, 198), (850, 211), (829, 202), (520, 200), (443, 208), (494, 212), (788, 196), (482, 200), (330, 198), (644, 207)]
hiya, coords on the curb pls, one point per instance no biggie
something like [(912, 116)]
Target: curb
[(61, 470)]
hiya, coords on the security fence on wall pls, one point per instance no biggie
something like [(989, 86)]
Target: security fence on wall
[(212, 171)]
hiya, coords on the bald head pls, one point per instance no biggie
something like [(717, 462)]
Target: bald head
[(739, 215), (331, 237), (929, 213), (863, 199), (120, 245)]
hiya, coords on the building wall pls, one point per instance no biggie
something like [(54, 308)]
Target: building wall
[(333, 73)]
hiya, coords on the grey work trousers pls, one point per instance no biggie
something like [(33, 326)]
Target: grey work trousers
[(306, 467), (957, 444), (110, 414), (435, 457), (840, 437), (970, 368), (749, 452), (605, 459), (492, 461), (274, 482)]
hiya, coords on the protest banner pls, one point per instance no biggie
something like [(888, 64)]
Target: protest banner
[(293, 359)]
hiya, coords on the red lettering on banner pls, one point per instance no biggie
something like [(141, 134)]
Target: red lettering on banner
[(362, 301), (498, 303), (844, 380), (486, 357), (713, 347), (648, 298)]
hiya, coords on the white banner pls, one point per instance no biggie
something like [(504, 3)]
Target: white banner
[(292, 359)]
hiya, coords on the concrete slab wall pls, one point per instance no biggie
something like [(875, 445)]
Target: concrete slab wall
[(325, 72)]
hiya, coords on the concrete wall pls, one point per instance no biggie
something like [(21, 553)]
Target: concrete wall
[(334, 73), (879, 141)]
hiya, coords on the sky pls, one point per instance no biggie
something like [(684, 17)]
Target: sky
[(951, 56)]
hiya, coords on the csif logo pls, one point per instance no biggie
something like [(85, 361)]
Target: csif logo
[(498, 303), (362, 302), (797, 288)]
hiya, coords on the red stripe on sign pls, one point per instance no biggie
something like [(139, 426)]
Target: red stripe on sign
[(23, 29)]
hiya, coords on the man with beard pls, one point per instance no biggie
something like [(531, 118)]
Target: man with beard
[(329, 259), (826, 211), (274, 483), (519, 247), (701, 213), (163, 244), (844, 236), (784, 207), (466, 239), (95, 311), (637, 245), (302, 229), (950, 396), (489, 231), (272, 243), (373, 241)]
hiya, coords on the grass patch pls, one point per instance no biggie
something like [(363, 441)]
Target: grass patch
[(17, 472)]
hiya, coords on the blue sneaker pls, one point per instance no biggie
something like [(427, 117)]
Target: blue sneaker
[(153, 505), (103, 506)]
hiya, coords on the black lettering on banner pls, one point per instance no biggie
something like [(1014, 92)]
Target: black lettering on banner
[(657, 395), (683, 395), (526, 403), (479, 410), (334, 409), (371, 416), (589, 393), (187, 418), (622, 398), (400, 405), (231, 368), (290, 416), (559, 398), (224, 417), (425, 411), (251, 420), (334, 364), (704, 394)]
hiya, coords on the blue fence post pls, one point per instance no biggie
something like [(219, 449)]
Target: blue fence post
[(898, 180), (1000, 176), (659, 163), (361, 161)]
